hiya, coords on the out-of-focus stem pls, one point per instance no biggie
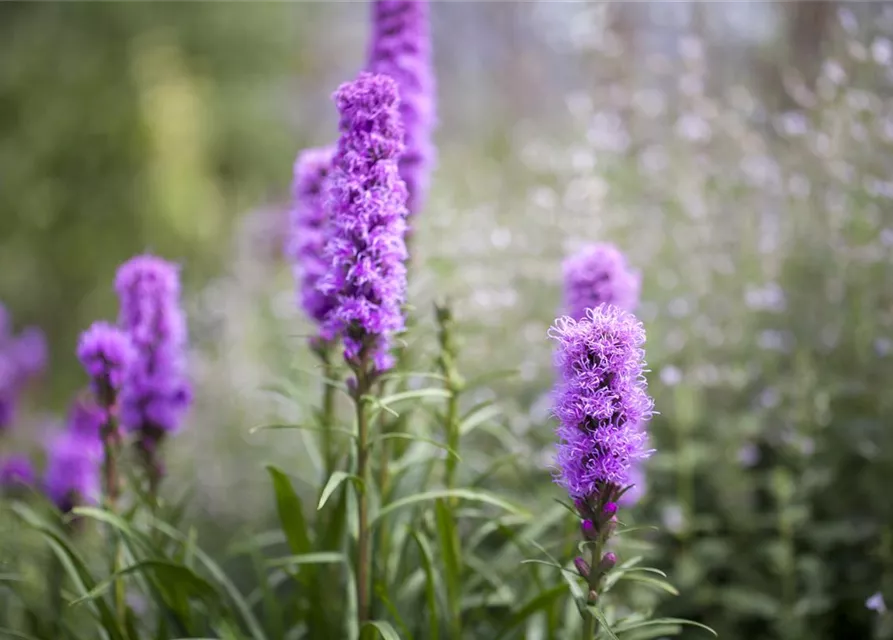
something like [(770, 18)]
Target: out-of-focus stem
[(453, 384), (328, 409), (362, 569), (590, 624)]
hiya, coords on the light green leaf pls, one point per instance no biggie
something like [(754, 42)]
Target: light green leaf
[(300, 427), (322, 557), (412, 394), (653, 582), (452, 563), (334, 482), (430, 584), (385, 630), (409, 436), (603, 622), (478, 416), (290, 510), (621, 628), (463, 494)]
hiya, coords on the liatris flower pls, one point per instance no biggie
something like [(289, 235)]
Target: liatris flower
[(106, 353), (308, 222), (72, 472), (155, 393), (16, 470), (365, 249), (401, 48), (598, 274), (22, 359), (602, 402), (85, 420), (636, 488)]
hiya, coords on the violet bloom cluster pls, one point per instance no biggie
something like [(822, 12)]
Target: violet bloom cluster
[(598, 274), (16, 470), (601, 402), (401, 48), (22, 359), (72, 470), (365, 250), (155, 393), (308, 221), (106, 354)]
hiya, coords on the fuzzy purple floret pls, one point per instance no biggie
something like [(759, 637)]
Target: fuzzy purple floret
[(401, 48), (365, 250), (156, 392), (85, 420), (636, 484), (597, 274), (16, 470), (72, 471), (308, 221), (22, 359), (602, 402), (106, 354)]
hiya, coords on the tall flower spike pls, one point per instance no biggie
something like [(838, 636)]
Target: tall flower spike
[(22, 359), (401, 48), (365, 250), (597, 274), (601, 401), (156, 393), (106, 354), (308, 222)]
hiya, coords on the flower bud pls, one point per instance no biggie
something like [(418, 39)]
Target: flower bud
[(610, 508), (608, 561), (582, 566), (588, 529)]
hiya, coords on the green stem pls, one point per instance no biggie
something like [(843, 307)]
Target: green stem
[(590, 624), (362, 569), (328, 414), (112, 482)]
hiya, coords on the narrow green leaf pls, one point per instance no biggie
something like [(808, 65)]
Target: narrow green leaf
[(385, 630), (176, 579), (290, 510), (107, 517), (333, 483), (653, 582), (478, 416), (220, 576), (541, 601), (323, 557), (464, 494), (409, 436), (452, 563), (300, 427), (663, 621), (430, 584), (412, 394), (602, 621), (12, 633)]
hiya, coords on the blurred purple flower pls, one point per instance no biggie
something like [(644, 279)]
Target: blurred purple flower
[(601, 401), (308, 222), (16, 470), (156, 393), (365, 249), (85, 420), (876, 603), (106, 353), (22, 359), (401, 48), (637, 488), (598, 274), (72, 472)]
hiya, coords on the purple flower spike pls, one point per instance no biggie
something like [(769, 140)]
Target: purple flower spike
[(598, 274), (16, 470), (106, 353), (308, 220), (365, 250), (601, 400), (72, 473), (22, 359), (155, 393), (401, 48), (85, 420), (30, 352)]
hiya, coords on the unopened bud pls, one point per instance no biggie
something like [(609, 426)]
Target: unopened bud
[(588, 529), (582, 566), (592, 596), (608, 562), (610, 508)]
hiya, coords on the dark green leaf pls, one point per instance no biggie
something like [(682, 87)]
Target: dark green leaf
[(430, 584), (451, 553), (542, 600), (291, 512), (174, 579), (621, 628), (409, 436), (384, 629)]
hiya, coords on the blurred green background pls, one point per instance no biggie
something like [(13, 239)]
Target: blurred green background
[(740, 153)]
